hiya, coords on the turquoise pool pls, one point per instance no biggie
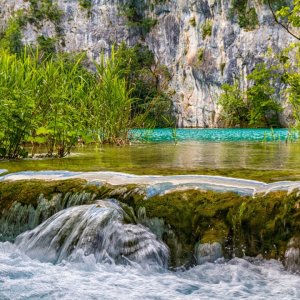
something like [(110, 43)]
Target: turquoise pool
[(213, 135)]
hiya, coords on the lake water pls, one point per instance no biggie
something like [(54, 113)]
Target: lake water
[(230, 152)]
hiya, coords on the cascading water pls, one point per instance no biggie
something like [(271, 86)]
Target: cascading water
[(90, 252), (98, 230)]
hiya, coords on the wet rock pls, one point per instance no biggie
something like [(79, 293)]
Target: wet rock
[(292, 255), (208, 252)]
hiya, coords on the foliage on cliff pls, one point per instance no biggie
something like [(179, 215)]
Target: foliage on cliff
[(259, 103)]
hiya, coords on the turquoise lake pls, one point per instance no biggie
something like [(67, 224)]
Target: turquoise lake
[(261, 154)]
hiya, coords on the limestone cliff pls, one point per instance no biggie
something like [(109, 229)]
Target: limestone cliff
[(204, 43)]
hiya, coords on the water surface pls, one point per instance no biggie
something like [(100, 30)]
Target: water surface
[(25, 278), (185, 156)]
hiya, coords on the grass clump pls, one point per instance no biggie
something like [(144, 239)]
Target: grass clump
[(246, 16), (206, 28)]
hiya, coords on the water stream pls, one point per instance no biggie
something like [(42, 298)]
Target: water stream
[(90, 252), (100, 251)]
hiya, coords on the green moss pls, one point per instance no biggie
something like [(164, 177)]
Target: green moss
[(192, 216), (193, 22), (265, 224), (206, 28), (28, 192), (86, 4), (199, 58), (217, 232), (243, 225), (246, 16)]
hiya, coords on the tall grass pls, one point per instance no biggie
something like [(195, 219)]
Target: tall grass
[(113, 102), (54, 101)]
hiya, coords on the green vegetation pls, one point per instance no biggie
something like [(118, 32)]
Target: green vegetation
[(261, 97), (200, 55), (133, 11), (40, 10), (11, 38), (257, 106), (234, 109), (206, 28), (259, 100), (46, 45), (149, 83), (44, 10), (246, 16), (51, 99), (193, 22), (86, 4)]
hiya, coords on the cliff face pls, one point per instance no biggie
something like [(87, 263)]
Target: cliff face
[(204, 43)]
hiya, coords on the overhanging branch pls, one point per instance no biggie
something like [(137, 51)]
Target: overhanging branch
[(286, 27)]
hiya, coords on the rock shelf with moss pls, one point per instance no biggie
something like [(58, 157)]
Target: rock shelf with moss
[(243, 225)]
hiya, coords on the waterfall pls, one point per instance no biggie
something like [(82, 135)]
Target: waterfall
[(98, 230)]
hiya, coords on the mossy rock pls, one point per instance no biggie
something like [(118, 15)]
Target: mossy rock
[(242, 224)]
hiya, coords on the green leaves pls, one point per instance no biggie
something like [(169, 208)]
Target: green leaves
[(55, 101), (234, 108), (290, 14), (257, 106)]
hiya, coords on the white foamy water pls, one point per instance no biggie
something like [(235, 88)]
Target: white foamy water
[(24, 278), (157, 184)]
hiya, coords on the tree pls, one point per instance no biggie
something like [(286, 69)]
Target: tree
[(261, 97), (234, 109), (287, 17)]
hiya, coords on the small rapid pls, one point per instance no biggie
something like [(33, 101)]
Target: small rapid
[(22, 277), (99, 251), (99, 230)]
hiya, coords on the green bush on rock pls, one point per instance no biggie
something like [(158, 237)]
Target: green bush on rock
[(258, 105)]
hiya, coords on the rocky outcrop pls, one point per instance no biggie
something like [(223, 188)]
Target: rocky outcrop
[(198, 226), (208, 252), (292, 255), (204, 44)]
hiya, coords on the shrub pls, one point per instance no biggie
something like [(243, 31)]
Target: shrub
[(234, 109), (86, 4), (206, 29)]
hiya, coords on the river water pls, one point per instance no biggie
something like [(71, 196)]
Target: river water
[(89, 252), (24, 273), (24, 278)]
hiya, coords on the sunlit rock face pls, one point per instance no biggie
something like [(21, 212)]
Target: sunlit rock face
[(199, 63)]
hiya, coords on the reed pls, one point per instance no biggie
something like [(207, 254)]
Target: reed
[(55, 101)]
